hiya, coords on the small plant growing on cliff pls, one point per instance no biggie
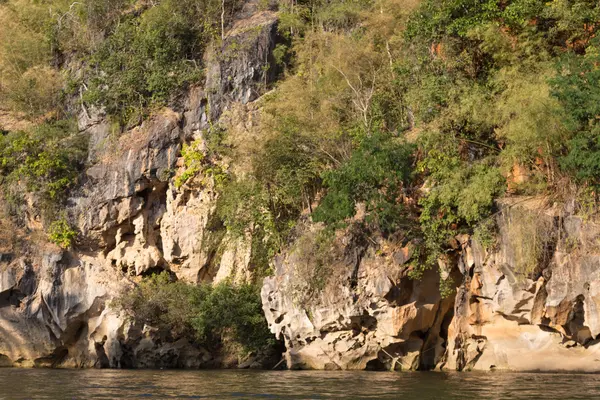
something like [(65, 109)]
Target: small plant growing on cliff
[(196, 161), (193, 158), (61, 233), (45, 160), (245, 207), (316, 260), (485, 233)]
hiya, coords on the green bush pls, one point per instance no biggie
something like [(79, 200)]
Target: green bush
[(289, 166), (143, 63), (434, 18), (233, 310), (583, 158), (577, 87), (163, 303), (45, 160), (148, 60), (61, 233), (460, 195), (245, 206), (204, 313), (376, 174)]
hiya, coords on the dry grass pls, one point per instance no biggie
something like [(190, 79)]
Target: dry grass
[(14, 121), (8, 231), (529, 233)]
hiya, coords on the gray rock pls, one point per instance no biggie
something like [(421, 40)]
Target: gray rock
[(366, 312), (55, 306)]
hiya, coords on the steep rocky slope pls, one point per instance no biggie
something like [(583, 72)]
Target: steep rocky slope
[(532, 309), (524, 301), (55, 305)]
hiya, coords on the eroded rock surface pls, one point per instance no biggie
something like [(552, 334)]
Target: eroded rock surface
[(366, 313), (535, 310), (530, 301), (527, 302), (55, 305)]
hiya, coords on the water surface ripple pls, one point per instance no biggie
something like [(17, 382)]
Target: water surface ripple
[(121, 384)]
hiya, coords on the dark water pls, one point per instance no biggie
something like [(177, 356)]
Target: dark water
[(108, 384)]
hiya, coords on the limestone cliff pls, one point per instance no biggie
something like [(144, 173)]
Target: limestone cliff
[(524, 301), (55, 305), (527, 302)]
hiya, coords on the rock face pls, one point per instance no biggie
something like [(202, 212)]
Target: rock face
[(534, 309), (55, 305), (368, 314), (527, 302)]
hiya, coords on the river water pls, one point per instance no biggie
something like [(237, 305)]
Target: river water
[(120, 384)]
